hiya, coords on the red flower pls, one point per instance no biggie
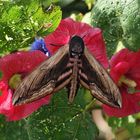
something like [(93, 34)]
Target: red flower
[(125, 71), (92, 38), (22, 63), (18, 63)]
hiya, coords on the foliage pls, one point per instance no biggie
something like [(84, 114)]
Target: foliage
[(125, 128), (119, 21), (59, 120), (22, 21)]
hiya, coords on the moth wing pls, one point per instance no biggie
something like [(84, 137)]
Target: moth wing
[(43, 79), (95, 78)]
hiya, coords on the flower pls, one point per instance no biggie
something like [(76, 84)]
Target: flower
[(40, 45), (18, 63), (68, 28), (125, 71), (23, 62)]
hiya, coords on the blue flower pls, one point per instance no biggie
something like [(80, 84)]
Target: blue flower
[(39, 44)]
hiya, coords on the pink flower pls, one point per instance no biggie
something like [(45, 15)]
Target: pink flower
[(92, 38), (125, 71), (18, 63)]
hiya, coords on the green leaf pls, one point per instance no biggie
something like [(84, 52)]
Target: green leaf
[(57, 121), (22, 21), (13, 130), (131, 24), (125, 128), (51, 22), (89, 3), (119, 21), (61, 120)]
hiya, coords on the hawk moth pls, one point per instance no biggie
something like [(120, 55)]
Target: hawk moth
[(71, 66)]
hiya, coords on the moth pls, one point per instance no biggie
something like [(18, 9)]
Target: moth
[(71, 66)]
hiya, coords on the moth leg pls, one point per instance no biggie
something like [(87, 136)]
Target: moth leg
[(63, 84), (83, 79), (64, 78), (65, 75), (83, 84)]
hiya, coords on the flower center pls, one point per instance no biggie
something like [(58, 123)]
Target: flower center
[(129, 83), (14, 81)]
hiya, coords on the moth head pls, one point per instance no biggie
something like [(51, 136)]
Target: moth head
[(76, 46)]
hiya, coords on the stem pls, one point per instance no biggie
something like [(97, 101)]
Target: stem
[(76, 130), (27, 127), (92, 105)]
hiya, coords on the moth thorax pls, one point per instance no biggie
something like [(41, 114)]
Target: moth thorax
[(76, 46)]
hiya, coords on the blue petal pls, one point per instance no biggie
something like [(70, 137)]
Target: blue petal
[(39, 44)]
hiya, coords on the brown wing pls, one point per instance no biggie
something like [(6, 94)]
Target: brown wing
[(47, 78), (95, 78)]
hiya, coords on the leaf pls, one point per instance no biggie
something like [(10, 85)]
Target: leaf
[(57, 121), (22, 21), (128, 123), (13, 130), (131, 24), (61, 120), (51, 23), (119, 21), (89, 3)]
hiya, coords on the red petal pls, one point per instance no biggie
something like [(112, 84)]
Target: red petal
[(58, 38), (92, 38), (25, 110), (95, 43), (118, 57), (76, 28), (118, 70), (134, 71), (20, 62), (130, 105), (18, 112), (126, 63), (5, 99)]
